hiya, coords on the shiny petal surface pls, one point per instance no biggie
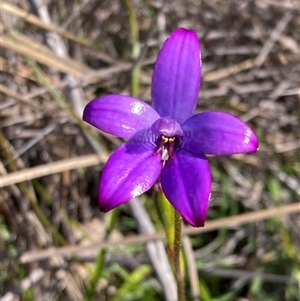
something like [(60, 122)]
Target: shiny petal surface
[(176, 77), (119, 115), (131, 170), (186, 182), (218, 133)]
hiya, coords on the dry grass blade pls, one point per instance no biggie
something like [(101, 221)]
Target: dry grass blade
[(275, 35), (51, 168), (228, 222), (32, 49), (11, 93), (192, 268), (20, 70), (231, 70), (30, 18)]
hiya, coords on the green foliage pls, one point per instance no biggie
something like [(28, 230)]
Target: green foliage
[(134, 286)]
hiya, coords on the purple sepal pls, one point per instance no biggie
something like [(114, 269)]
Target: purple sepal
[(130, 171), (176, 76), (119, 115), (186, 182), (217, 133)]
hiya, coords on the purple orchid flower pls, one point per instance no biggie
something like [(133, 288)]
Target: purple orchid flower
[(167, 141)]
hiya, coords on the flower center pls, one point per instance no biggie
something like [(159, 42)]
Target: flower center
[(167, 130), (166, 147)]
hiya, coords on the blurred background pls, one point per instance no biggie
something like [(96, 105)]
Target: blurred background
[(56, 56)]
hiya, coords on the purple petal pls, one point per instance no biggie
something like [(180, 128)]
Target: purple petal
[(176, 77), (186, 182), (218, 133), (119, 115), (131, 170)]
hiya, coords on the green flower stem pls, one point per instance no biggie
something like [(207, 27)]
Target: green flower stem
[(177, 257), (171, 221), (166, 215)]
